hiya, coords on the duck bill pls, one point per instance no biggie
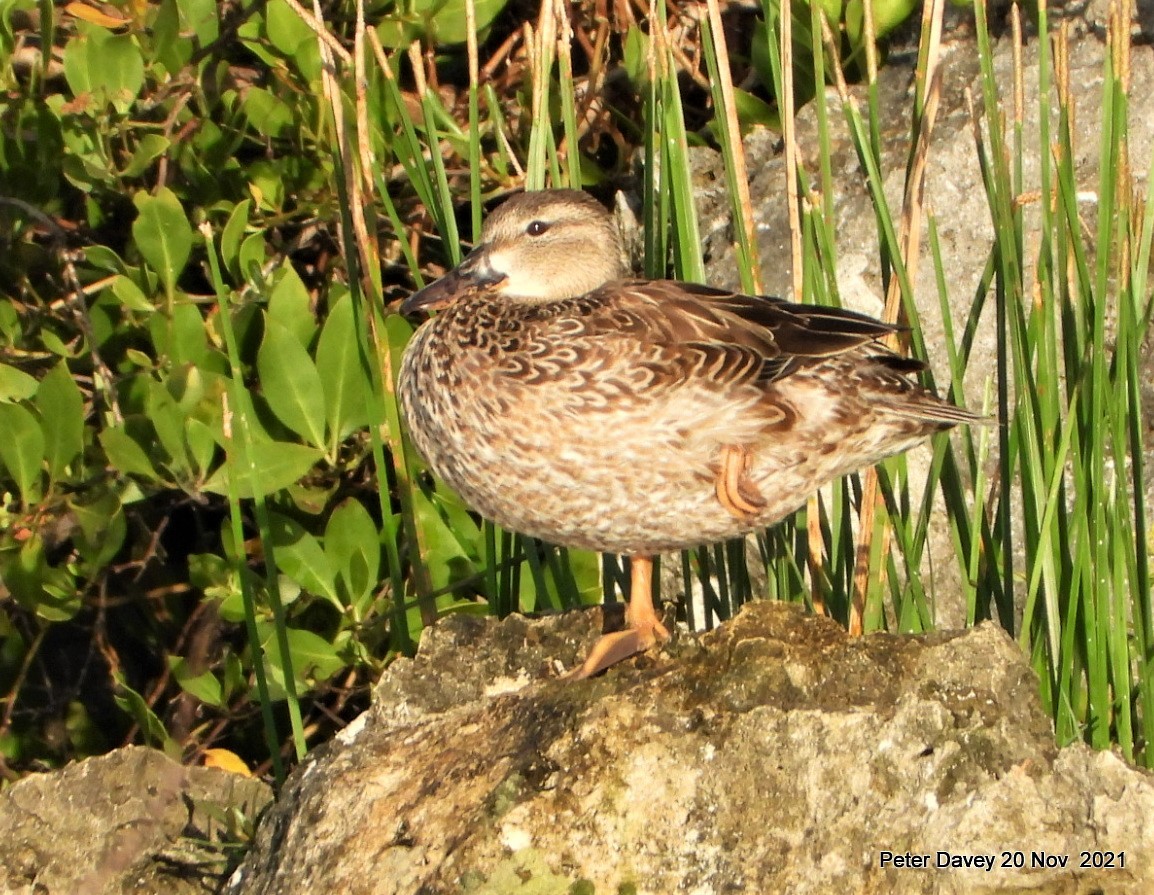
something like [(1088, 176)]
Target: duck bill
[(474, 274)]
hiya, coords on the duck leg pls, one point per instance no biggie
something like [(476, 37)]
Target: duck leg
[(734, 488), (645, 628)]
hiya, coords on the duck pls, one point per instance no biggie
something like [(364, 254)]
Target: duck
[(563, 399)]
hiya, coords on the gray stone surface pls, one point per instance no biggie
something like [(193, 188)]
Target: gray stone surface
[(132, 821), (773, 755)]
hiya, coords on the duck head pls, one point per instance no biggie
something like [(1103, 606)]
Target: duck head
[(536, 247)]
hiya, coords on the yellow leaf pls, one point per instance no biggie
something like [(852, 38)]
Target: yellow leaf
[(226, 761), (96, 16)]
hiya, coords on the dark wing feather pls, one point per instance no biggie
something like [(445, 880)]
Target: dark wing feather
[(735, 337), (635, 338)]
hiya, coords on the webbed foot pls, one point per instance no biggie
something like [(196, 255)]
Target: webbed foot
[(645, 628), (734, 487)]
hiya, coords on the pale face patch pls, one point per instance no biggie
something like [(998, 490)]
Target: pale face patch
[(522, 280)]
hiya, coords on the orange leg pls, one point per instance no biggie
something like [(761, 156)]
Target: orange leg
[(645, 628), (733, 486)]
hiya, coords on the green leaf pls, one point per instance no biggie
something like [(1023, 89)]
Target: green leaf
[(313, 495), (130, 295), (15, 385), (49, 592), (210, 573), (353, 545), (250, 261), (343, 377), (300, 556), (139, 358), (252, 37), (202, 445), (9, 322), (290, 383), (136, 707), (292, 37), (202, 19), (312, 657), (168, 420), (458, 517), (56, 345), (170, 48), (104, 66), (22, 449), (203, 686), (446, 557), (149, 149), (447, 23), (180, 338), (752, 110), (832, 10), (290, 306), (266, 185), (887, 15), (399, 30), (190, 386), (286, 30), (126, 454), (636, 52), (61, 407), (23, 571), (398, 331), (230, 238), (163, 235), (102, 528), (269, 115), (278, 464), (103, 258)]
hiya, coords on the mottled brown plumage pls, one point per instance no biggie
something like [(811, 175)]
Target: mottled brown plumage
[(566, 402)]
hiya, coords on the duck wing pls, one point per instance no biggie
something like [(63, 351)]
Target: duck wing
[(662, 335), (731, 338)]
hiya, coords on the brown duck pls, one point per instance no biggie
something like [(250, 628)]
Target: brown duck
[(567, 402)]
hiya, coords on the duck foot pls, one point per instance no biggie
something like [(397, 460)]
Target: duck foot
[(734, 488), (644, 631)]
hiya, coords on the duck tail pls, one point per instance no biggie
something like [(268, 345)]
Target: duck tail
[(931, 409)]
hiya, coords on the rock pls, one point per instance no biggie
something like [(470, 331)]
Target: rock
[(130, 821), (774, 754), (1093, 16)]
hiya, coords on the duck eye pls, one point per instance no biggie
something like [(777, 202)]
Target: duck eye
[(536, 228)]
